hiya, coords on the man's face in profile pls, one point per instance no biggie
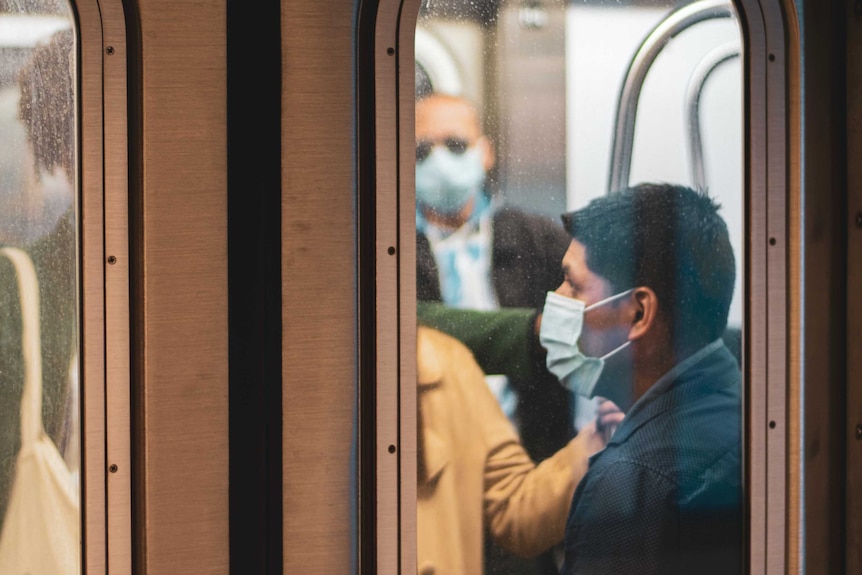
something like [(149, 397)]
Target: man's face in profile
[(604, 327)]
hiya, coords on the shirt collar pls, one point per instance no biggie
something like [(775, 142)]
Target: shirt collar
[(664, 381), (481, 206), (661, 385)]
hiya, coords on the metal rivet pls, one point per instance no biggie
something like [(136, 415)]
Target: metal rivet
[(772, 241), (109, 50), (859, 431), (112, 260), (391, 449), (113, 468), (390, 51), (391, 251), (771, 425)]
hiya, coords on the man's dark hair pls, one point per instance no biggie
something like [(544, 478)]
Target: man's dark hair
[(668, 238)]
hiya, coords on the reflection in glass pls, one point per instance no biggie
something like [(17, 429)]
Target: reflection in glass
[(519, 105), (39, 378)]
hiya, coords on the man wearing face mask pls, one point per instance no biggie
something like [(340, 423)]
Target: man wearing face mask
[(649, 278), (473, 253)]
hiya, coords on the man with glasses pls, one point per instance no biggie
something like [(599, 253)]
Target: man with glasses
[(474, 253)]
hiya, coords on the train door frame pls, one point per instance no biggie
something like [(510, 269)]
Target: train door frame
[(772, 284), (396, 285), (106, 477)]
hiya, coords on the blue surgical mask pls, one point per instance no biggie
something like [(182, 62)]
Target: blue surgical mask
[(562, 323), (446, 181)]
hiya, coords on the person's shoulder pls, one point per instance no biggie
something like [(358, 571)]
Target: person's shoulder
[(625, 460), (689, 443), (435, 346), (443, 361), (436, 338)]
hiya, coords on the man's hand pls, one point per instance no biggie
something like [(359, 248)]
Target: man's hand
[(609, 418)]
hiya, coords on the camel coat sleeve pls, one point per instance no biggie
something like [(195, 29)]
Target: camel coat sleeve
[(473, 470)]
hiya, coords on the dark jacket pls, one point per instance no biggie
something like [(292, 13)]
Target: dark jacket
[(664, 497), (527, 251)]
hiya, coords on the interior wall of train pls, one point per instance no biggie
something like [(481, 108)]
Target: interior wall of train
[(208, 259), (548, 78)]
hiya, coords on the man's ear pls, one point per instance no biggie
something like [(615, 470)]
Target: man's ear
[(489, 158), (644, 313)]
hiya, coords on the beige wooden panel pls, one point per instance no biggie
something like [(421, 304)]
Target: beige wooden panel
[(318, 284), (93, 288), (182, 297), (408, 410), (116, 263), (394, 93), (387, 54), (104, 218)]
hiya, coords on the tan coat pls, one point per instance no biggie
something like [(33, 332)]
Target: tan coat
[(473, 470)]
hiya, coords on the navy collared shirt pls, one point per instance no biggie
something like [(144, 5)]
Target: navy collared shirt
[(665, 495)]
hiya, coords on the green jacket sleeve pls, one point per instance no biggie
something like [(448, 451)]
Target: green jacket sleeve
[(502, 341)]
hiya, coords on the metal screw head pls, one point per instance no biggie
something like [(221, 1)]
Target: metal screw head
[(113, 468), (112, 260), (859, 432), (859, 220), (109, 50)]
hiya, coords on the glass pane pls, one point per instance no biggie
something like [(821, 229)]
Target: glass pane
[(39, 331), (579, 189)]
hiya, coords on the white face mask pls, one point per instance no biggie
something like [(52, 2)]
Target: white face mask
[(446, 181), (562, 322)]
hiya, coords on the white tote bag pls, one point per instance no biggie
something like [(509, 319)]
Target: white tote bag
[(41, 530)]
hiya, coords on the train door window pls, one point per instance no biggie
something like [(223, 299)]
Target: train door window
[(40, 424), (580, 263)]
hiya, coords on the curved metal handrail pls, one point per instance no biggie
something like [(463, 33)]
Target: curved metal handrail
[(650, 48), (701, 74)]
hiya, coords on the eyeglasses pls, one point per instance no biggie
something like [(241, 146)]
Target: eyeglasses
[(455, 145)]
